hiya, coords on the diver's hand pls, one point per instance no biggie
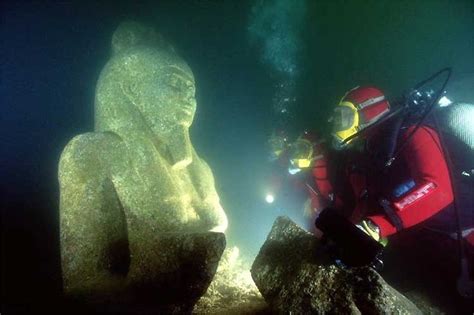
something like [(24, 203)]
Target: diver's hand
[(310, 214), (371, 229)]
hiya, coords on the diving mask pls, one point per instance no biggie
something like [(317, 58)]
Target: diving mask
[(301, 153), (345, 122), (277, 145)]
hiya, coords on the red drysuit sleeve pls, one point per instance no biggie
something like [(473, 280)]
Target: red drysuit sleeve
[(432, 191), (320, 198)]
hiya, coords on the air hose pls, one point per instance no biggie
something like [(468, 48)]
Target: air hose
[(427, 111), (403, 110)]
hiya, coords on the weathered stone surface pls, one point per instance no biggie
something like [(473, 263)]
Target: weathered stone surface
[(170, 279), (177, 272), (294, 275), (137, 176)]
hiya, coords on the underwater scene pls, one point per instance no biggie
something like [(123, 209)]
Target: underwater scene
[(237, 157)]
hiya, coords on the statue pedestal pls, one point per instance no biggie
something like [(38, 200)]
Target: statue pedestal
[(170, 278)]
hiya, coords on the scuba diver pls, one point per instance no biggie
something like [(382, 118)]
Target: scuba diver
[(293, 165), (282, 189), (412, 189), (390, 175), (306, 162), (277, 146)]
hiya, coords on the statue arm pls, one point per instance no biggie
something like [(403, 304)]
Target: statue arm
[(94, 248), (209, 209)]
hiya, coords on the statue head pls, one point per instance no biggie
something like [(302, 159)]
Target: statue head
[(130, 34), (147, 89)]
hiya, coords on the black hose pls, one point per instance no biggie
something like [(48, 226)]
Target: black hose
[(426, 113), (402, 109)]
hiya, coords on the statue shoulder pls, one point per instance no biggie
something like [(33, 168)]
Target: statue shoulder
[(200, 164), (90, 151)]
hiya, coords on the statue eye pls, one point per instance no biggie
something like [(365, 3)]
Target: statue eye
[(179, 84), (174, 81)]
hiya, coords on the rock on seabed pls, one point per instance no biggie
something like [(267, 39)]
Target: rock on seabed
[(295, 276)]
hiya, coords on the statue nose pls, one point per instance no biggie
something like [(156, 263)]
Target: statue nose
[(192, 102), (190, 96)]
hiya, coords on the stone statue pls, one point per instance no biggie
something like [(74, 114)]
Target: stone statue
[(136, 180)]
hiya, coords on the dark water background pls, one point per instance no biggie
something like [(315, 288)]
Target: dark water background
[(52, 53)]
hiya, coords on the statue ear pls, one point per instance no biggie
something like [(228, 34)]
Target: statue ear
[(130, 90)]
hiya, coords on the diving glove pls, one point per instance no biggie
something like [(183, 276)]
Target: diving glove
[(373, 231)]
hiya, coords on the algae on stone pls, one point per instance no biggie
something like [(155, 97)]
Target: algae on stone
[(137, 177)]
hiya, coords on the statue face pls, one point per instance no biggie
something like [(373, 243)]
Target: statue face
[(167, 99), (179, 91)]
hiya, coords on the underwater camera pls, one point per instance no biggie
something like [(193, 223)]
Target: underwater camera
[(348, 244)]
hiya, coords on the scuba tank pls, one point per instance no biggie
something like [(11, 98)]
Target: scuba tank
[(456, 120), (455, 125)]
